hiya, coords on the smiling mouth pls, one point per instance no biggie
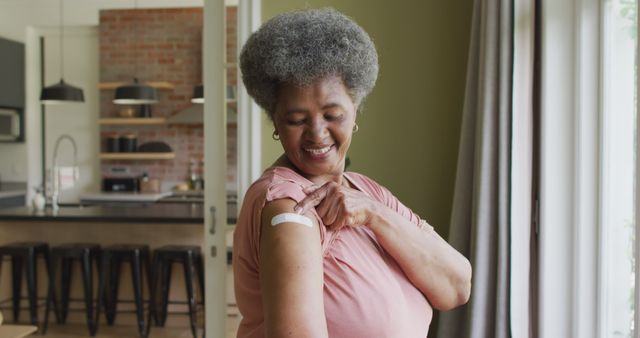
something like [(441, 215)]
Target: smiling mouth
[(318, 151)]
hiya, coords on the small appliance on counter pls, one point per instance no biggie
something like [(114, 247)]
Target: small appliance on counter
[(120, 184), (11, 124), (117, 190)]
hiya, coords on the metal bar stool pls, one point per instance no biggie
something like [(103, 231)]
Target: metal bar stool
[(191, 259), (25, 254), (64, 255), (112, 258)]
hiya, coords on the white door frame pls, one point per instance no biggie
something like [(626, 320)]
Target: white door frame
[(249, 148), (215, 163), (249, 126)]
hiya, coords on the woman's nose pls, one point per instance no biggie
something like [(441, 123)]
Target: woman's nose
[(317, 129)]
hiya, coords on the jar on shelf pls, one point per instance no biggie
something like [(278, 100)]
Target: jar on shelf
[(113, 143), (128, 143), (128, 112), (145, 110)]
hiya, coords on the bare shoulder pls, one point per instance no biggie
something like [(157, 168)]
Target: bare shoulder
[(280, 225)]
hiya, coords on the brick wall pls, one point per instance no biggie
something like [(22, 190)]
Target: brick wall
[(160, 45)]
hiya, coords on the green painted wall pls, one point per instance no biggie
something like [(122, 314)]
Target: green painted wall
[(410, 126)]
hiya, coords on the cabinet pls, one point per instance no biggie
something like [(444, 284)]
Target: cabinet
[(12, 81)]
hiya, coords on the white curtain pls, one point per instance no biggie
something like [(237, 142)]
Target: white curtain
[(480, 220)]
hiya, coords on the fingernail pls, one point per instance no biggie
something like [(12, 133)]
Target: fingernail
[(297, 209)]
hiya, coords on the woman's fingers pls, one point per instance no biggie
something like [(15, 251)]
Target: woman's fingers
[(337, 206), (335, 209), (310, 188), (328, 207), (313, 198), (326, 210), (341, 220)]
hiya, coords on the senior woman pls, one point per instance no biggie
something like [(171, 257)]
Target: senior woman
[(320, 252)]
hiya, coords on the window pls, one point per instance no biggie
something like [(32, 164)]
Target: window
[(619, 145), (588, 143)]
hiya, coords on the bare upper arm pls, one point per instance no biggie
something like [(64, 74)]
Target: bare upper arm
[(291, 276)]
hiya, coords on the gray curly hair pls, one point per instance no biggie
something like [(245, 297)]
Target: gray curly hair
[(301, 46)]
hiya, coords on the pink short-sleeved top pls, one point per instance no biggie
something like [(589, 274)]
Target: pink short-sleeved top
[(366, 294)]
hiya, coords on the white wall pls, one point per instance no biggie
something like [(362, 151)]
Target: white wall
[(16, 15), (78, 120), (23, 20)]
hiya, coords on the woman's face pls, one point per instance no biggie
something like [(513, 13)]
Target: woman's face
[(315, 124)]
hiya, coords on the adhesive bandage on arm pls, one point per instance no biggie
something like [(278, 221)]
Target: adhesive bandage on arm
[(291, 218)]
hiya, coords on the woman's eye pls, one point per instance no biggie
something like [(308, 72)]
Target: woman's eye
[(295, 122), (333, 117)]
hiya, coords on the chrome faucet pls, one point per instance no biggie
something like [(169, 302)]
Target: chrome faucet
[(55, 170)]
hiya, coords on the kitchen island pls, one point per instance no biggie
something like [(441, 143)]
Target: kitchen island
[(183, 213), (155, 224)]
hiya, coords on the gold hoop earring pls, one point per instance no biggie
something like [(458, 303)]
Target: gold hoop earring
[(275, 136), (355, 128)]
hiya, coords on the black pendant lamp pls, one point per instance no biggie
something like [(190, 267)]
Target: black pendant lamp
[(61, 92), (198, 94), (135, 92)]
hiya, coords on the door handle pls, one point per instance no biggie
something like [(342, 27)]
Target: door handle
[(212, 212)]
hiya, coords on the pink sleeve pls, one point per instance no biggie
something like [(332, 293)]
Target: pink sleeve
[(292, 190), (285, 189), (387, 198), (392, 202)]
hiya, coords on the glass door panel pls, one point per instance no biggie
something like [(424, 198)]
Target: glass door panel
[(619, 146)]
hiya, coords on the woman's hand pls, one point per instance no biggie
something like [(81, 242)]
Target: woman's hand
[(337, 205)]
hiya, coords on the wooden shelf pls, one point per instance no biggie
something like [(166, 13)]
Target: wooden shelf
[(137, 156), (132, 121), (154, 84)]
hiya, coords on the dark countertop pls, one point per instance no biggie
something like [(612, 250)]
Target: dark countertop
[(133, 213)]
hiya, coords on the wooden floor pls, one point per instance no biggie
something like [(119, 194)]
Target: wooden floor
[(80, 331), (122, 331)]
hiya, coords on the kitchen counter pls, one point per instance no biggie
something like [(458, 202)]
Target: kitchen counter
[(132, 213), (123, 197)]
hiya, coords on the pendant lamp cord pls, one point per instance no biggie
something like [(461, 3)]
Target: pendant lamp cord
[(61, 40), (135, 46)]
